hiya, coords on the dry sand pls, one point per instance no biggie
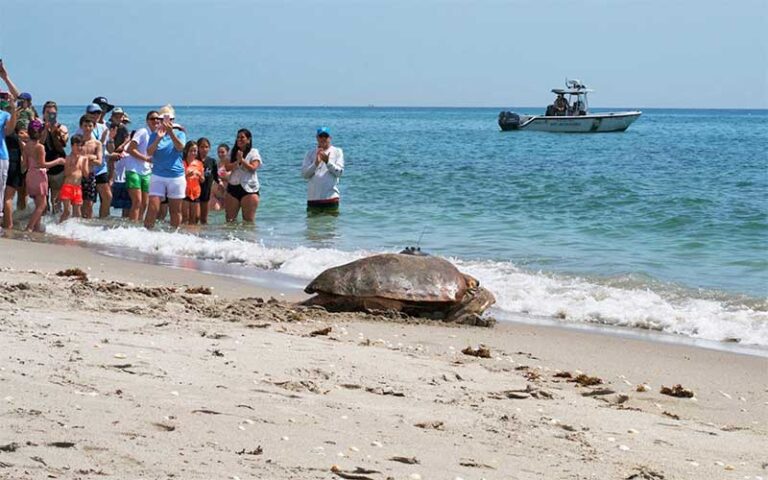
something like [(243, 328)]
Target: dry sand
[(141, 379)]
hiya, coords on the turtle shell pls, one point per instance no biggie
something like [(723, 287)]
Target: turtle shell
[(395, 276)]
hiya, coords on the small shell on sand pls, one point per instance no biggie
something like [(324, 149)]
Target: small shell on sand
[(354, 449), (175, 393), (623, 448), (643, 387), (632, 431), (376, 444), (414, 476), (285, 439), (120, 355), (725, 395)]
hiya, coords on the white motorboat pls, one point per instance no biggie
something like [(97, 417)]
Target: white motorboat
[(569, 115)]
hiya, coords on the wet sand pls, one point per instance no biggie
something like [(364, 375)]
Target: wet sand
[(128, 375)]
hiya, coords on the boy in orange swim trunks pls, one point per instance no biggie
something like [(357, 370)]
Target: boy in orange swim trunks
[(76, 166)]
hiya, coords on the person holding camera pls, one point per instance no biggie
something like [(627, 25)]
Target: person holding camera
[(55, 136), (8, 118), (322, 168), (168, 180)]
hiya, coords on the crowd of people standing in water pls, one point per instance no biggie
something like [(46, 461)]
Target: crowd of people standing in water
[(149, 173)]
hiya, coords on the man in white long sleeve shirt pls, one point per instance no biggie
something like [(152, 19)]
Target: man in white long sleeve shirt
[(322, 168)]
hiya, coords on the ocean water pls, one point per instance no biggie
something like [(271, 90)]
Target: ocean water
[(662, 227)]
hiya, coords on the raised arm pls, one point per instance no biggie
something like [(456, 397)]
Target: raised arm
[(11, 87), (335, 163), (178, 139), (253, 164), (153, 144), (10, 126), (310, 165)]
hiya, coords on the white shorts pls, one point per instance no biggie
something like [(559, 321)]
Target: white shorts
[(164, 187)]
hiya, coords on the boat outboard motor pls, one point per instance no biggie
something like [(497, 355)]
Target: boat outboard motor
[(509, 120)]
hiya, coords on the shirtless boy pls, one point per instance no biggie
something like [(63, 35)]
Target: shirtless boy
[(91, 146), (76, 167)]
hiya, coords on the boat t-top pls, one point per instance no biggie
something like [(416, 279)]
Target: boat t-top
[(569, 115)]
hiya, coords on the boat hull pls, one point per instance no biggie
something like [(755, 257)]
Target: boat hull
[(593, 123)]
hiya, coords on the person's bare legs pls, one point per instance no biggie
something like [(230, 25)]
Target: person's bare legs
[(41, 201), (105, 195), (8, 207), (204, 213), (174, 208), (185, 212), (76, 211), (21, 201), (249, 203), (163, 212), (55, 200), (152, 210), (231, 207), (87, 209), (65, 210), (136, 203), (144, 204), (194, 213)]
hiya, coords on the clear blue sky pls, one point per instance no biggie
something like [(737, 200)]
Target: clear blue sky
[(654, 53)]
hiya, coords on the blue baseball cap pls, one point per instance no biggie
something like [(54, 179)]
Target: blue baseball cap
[(25, 96), (93, 108), (324, 131)]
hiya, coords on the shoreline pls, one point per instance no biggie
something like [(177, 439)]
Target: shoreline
[(252, 281), (136, 379)]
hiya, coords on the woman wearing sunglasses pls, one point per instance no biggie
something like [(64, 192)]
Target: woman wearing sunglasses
[(166, 145)]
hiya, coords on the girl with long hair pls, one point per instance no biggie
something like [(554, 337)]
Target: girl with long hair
[(243, 186)]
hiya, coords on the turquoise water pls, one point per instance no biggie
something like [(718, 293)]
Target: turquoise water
[(676, 207)]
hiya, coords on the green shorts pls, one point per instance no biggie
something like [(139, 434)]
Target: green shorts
[(134, 181)]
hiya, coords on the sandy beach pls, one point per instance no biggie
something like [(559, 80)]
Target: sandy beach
[(135, 372)]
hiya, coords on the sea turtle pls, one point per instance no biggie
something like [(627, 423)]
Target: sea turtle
[(415, 284)]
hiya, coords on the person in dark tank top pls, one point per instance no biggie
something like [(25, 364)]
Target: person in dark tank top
[(55, 138)]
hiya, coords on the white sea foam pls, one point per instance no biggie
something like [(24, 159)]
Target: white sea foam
[(565, 299)]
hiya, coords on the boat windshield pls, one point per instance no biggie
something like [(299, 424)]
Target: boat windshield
[(569, 102)]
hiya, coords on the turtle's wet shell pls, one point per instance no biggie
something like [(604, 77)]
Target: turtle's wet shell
[(395, 276)]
